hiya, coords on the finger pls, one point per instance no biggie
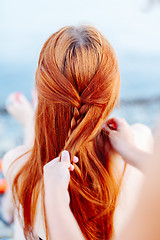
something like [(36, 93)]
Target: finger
[(112, 123), (55, 160), (107, 128), (116, 123), (71, 168), (75, 159), (52, 162), (65, 157), (17, 97), (112, 134)]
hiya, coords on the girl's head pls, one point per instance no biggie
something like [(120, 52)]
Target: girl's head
[(77, 81)]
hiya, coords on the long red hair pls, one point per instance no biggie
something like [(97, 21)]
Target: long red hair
[(77, 82)]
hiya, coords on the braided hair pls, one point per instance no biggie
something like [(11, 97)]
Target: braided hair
[(77, 82)]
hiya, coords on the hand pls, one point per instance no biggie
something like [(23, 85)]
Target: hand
[(120, 136), (20, 108), (60, 220), (122, 140), (57, 176)]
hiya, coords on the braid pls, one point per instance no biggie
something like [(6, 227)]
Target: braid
[(78, 115)]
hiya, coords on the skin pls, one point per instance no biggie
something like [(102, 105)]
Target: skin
[(122, 140), (144, 224), (117, 130), (56, 180)]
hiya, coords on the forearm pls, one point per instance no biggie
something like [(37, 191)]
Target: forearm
[(61, 222), (137, 158), (144, 223)]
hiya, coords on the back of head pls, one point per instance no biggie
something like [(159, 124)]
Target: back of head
[(77, 72), (77, 81)]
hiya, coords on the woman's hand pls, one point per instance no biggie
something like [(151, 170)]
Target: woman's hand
[(120, 136), (57, 176), (122, 140), (60, 220), (20, 108)]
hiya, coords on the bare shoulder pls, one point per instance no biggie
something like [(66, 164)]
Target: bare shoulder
[(10, 157), (143, 137)]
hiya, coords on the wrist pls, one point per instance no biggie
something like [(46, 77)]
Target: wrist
[(137, 158), (57, 196), (129, 152)]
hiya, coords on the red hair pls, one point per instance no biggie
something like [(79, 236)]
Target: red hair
[(77, 81)]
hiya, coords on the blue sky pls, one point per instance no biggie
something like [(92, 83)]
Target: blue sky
[(25, 25)]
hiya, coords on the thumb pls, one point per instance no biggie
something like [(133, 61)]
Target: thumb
[(65, 157)]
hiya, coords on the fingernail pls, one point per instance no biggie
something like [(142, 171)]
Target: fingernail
[(65, 154)]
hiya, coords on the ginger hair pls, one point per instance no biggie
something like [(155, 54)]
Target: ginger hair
[(78, 82)]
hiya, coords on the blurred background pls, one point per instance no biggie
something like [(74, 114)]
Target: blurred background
[(131, 26)]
